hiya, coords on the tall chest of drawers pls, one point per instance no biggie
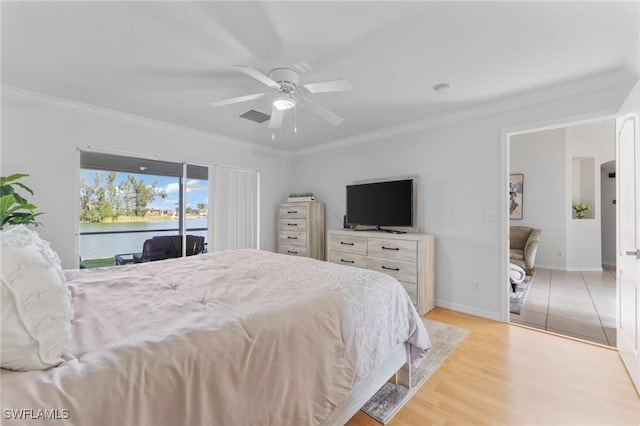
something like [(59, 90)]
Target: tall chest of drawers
[(301, 229), (410, 258)]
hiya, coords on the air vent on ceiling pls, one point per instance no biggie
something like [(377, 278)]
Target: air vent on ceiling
[(257, 116)]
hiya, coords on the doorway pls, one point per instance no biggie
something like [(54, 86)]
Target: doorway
[(569, 292)]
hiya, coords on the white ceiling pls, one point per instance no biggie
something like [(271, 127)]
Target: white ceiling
[(168, 60)]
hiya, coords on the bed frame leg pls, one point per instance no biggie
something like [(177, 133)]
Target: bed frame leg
[(403, 376)]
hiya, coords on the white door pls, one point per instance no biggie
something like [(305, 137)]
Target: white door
[(628, 256)]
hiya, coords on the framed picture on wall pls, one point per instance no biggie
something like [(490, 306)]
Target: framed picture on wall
[(516, 186)]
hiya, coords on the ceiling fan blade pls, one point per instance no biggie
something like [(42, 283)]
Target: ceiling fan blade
[(322, 112), (236, 100), (276, 118), (254, 73), (328, 86)]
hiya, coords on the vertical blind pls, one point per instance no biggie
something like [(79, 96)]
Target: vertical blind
[(233, 221)]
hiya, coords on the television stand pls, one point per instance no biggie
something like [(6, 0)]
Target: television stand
[(409, 258)]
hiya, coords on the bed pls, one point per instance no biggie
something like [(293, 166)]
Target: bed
[(240, 337)]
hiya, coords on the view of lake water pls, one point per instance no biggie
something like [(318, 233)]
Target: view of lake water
[(98, 246)]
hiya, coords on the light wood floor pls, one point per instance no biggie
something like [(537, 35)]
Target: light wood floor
[(505, 374)]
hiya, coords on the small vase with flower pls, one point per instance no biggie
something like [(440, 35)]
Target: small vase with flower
[(580, 209)]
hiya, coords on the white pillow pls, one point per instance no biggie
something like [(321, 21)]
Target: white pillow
[(36, 302)]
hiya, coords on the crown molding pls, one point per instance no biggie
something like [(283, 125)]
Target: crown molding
[(23, 95), (601, 82)]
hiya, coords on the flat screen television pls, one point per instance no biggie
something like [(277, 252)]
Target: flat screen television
[(386, 203)]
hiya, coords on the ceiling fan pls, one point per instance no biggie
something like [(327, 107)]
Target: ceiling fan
[(286, 83)]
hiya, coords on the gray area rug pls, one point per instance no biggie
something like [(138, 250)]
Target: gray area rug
[(517, 298), (390, 398)]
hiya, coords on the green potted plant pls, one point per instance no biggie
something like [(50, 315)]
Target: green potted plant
[(14, 208), (580, 209)]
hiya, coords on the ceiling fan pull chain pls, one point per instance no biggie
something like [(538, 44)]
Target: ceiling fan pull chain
[(295, 119)]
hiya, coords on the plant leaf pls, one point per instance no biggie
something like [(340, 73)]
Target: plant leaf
[(6, 189), (11, 178), (28, 206), (25, 187), (6, 201), (20, 199), (14, 208)]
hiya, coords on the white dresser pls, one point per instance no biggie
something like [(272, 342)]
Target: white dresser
[(410, 258), (301, 229)]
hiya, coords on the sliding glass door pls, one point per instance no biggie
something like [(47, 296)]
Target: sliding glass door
[(125, 201)]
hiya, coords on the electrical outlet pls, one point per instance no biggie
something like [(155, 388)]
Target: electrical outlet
[(476, 286), (560, 253)]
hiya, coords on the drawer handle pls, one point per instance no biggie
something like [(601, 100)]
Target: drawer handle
[(347, 261), (346, 244), (292, 224), (292, 211), (390, 248), (391, 269), (292, 252), (292, 238)]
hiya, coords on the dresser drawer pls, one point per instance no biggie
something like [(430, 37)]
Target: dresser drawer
[(348, 244), (295, 238), (393, 249), (412, 291), (349, 259), (292, 212), (292, 250), (292, 225), (409, 258), (399, 269)]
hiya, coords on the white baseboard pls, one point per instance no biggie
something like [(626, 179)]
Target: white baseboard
[(572, 268), (496, 316), (584, 269)]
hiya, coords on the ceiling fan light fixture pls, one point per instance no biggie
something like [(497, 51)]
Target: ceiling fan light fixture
[(283, 104)]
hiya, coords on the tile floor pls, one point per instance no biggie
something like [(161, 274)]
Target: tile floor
[(577, 304)]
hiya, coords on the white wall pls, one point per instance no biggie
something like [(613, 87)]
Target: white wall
[(540, 156), (40, 138), (584, 236), (461, 186)]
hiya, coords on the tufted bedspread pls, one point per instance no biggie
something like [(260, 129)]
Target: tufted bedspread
[(241, 337)]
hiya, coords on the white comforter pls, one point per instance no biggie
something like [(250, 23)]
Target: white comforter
[(231, 338)]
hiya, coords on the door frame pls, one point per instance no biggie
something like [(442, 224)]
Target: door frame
[(505, 169)]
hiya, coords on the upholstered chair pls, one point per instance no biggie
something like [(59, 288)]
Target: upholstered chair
[(166, 247), (523, 246)]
